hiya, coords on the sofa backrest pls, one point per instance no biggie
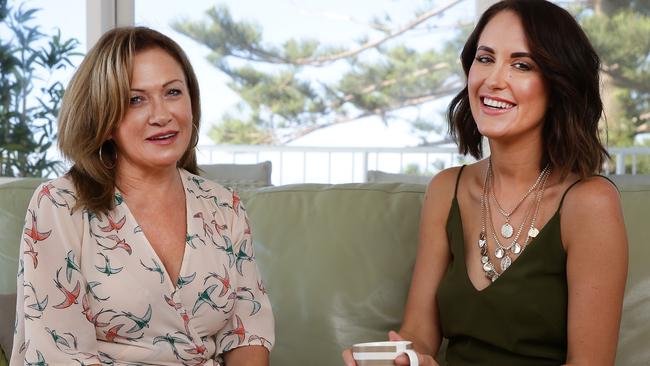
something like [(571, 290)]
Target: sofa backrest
[(337, 262), (14, 198), (634, 338)]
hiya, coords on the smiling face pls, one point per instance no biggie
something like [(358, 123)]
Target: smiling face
[(157, 127), (507, 94)]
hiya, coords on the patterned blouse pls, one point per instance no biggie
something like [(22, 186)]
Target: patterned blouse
[(91, 289)]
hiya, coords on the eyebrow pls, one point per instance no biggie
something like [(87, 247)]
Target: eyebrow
[(164, 85), (512, 55)]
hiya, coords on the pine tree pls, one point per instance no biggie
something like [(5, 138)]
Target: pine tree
[(280, 102)]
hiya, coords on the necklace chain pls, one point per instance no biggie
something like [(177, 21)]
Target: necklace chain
[(501, 251), (530, 190), (506, 229), (530, 209)]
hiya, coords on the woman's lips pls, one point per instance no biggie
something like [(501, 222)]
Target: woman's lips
[(495, 106), (165, 138)]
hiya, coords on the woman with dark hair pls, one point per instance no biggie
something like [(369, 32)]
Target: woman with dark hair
[(523, 255), (131, 258)]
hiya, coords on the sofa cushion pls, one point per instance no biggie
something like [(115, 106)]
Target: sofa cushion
[(8, 311), (239, 176), (14, 198), (635, 333), (336, 261)]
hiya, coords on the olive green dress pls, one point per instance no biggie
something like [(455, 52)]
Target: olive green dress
[(521, 318)]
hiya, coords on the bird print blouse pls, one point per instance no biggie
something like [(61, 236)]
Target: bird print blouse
[(91, 289)]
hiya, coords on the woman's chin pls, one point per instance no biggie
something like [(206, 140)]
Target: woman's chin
[(156, 165)]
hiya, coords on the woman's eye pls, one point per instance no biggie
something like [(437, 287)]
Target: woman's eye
[(135, 100), (174, 92), (522, 66), (483, 59)]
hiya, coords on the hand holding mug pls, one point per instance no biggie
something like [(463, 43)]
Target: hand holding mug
[(395, 351), (403, 360)]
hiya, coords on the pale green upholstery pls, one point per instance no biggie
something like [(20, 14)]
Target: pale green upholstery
[(239, 176), (337, 261), (14, 198)]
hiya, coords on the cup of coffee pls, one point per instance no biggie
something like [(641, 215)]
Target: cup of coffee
[(382, 353)]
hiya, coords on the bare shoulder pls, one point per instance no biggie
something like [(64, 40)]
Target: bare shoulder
[(592, 210), (445, 180), (442, 185), (590, 196)]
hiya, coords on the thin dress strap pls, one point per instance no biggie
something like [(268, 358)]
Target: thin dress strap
[(611, 181), (577, 181), (458, 180), (567, 191)]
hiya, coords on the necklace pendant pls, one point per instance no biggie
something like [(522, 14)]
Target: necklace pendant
[(516, 249), (499, 253), (481, 243), (507, 230), (505, 263), (488, 267), (533, 232), (484, 259)]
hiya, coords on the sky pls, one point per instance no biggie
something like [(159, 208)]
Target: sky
[(337, 22)]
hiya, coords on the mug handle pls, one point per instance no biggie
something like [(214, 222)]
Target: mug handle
[(413, 357)]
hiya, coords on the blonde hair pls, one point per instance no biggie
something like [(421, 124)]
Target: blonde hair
[(96, 100)]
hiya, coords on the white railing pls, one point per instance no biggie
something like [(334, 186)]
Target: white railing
[(620, 155), (295, 164)]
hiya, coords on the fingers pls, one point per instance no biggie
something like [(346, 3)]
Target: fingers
[(423, 360), (394, 336), (403, 360), (347, 358)]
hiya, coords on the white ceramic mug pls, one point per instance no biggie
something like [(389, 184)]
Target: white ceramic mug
[(383, 353)]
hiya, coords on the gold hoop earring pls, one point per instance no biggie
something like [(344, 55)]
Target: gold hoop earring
[(196, 142), (101, 160)]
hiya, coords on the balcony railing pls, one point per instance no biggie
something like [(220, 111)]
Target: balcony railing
[(293, 164)]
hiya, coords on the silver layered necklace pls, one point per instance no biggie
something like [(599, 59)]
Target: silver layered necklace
[(506, 252), (506, 229)]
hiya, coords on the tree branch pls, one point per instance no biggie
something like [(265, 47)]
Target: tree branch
[(621, 80), (411, 102), (373, 87), (320, 61)]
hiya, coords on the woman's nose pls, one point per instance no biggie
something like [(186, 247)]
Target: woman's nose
[(160, 114), (497, 77)]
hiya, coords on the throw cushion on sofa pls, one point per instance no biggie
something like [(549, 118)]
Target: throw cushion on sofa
[(239, 176)]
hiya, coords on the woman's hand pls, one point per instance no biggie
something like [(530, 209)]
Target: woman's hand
[(347, 357), (401, 360)]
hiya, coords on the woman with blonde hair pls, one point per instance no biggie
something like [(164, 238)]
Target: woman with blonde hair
[(131, 257)]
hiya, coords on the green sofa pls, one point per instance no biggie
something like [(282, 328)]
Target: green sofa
[(337, 262)]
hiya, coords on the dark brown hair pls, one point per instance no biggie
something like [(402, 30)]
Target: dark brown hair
[(95, 102), (570, 68)]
